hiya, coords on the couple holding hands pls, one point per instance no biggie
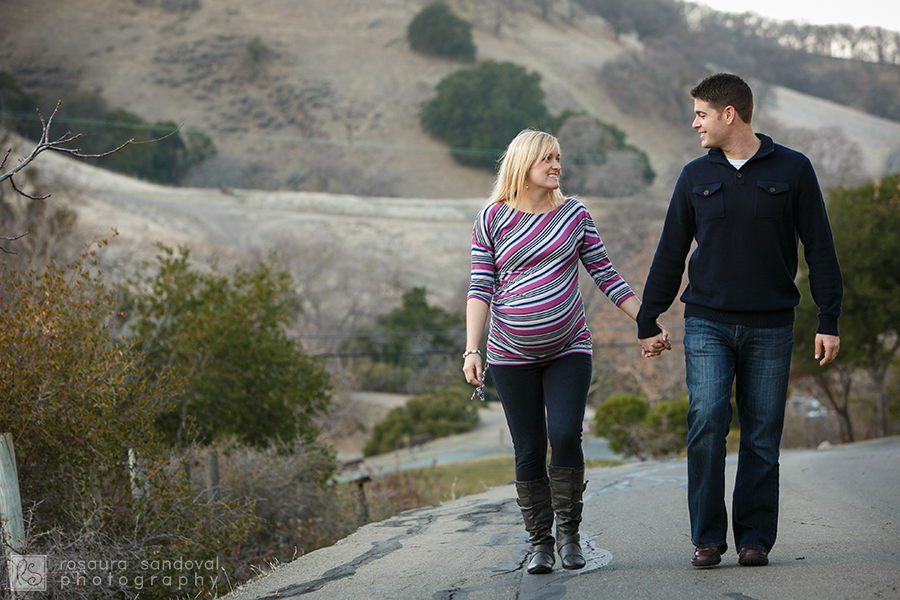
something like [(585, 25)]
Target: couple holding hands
[(746, 203)]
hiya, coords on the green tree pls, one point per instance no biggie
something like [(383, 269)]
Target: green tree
[(165, 158), (17, 108), (436, 30), (478, 111), (411, 333), (225, 338), (866, 225)]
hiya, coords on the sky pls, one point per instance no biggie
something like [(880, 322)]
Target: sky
[(859, 13)]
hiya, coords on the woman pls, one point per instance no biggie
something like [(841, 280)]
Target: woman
[(526, 246)]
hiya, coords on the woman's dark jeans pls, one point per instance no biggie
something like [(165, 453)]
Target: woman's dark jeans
[(544, 400)]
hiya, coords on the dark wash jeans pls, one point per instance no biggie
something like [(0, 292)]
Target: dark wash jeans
[(758, 361), (544, 400)]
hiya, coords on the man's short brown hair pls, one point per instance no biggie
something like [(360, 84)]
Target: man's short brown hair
[(722, 90)]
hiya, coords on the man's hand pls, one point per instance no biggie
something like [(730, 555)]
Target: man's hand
[(827, 347)]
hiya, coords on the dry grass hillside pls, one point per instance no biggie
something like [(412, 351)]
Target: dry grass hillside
[(339, 89), (337, 96)]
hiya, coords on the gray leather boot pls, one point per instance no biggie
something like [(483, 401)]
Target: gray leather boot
[(567, 487), (537, 511)]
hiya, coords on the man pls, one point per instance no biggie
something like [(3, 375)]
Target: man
[(746, 204)]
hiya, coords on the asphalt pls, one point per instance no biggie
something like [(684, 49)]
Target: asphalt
[(839, 537)]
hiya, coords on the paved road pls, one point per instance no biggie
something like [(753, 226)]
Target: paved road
[(839, 538)]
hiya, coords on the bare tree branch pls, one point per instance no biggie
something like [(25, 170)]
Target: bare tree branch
[(10, 239), (57, 145)]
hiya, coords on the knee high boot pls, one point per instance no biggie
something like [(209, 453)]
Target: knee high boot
[(567, 487), (537, 511)]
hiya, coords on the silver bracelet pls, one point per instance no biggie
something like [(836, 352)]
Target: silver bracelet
[(468, 352)]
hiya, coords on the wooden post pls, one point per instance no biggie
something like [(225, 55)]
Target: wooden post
[(136, 474), (11, 521), (212, 471)]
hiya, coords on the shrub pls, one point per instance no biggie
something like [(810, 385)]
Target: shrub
[(478, 111), (98, 482), (257, 50), (408, 350), (444, 412), (225, 338), (436, 30), (633, 429), (664, 429), (618, 420)]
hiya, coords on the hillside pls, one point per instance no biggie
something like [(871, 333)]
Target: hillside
[(337, 98), (333, 101), (338, 94)]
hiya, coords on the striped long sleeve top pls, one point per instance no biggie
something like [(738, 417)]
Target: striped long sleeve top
[(525, 267)]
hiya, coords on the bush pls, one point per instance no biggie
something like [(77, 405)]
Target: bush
[(618, 419), (436, 30), (444, 412), (225, 339), (633, 429), (257, 50), (96, 477), (409, 349), (664, 429), (478, 111)]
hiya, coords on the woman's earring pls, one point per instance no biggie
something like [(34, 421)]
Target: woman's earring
[(526, 186)]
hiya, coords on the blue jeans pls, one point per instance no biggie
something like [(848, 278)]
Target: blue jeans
[(758, 362), (544, 400)]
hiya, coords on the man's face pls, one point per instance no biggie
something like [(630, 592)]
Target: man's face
[(710, 124)]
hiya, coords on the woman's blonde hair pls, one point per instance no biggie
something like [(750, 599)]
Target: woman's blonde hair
[(520, 156)]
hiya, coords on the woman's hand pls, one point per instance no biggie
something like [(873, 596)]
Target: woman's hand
[(472, 369)]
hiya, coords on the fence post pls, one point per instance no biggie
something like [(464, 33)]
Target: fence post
[(11, 521), (212, 471)]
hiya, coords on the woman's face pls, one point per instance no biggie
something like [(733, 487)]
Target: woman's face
[(544, 174)]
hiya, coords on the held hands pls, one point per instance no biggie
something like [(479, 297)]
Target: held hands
[(654, 346)]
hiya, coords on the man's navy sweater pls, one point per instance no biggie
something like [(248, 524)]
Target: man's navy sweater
[(747, 223)]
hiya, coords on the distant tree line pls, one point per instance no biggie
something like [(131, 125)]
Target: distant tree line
[(854, 67)]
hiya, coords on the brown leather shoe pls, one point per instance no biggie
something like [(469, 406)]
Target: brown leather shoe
[(753, 557), (709, 556)]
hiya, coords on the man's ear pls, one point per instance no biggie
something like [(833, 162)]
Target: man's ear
[(729, 114)]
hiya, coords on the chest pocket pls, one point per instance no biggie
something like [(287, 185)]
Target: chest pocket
[(709, 202), (773, 200)]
